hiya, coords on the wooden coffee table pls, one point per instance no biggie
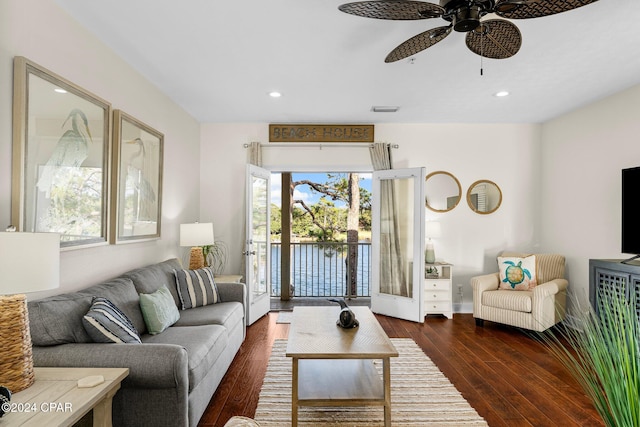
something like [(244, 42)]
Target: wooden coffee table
[(332, 366)]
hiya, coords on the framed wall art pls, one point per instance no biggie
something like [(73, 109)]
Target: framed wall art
[(61, 148), (137, 180)]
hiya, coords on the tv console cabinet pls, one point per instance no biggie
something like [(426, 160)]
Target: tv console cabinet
[(613, 277)]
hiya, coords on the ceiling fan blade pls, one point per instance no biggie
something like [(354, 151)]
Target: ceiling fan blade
[(397, 10), (524, 9), (494, 38), (418, 43)]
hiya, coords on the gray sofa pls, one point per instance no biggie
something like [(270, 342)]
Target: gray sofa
[(173, 374)]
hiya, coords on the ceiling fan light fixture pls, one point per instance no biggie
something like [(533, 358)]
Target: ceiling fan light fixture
[(466, 19), (384, 109)]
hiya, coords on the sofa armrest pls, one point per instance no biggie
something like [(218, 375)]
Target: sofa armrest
[(550, 288), (152, 366), (487, 282), (232, 292), (479, 284), (548, 305)]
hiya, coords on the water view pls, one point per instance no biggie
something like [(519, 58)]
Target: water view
[(320, 270)]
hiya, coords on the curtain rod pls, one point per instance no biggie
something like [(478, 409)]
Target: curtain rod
[(321, 146)]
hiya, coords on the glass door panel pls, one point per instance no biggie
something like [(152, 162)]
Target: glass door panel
[(258, 243), (398, 242)]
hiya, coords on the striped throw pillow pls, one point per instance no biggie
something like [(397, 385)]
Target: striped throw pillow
[(196, 288), (105, 323)]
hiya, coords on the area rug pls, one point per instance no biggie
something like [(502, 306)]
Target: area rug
[(284, 317), (420, 396)]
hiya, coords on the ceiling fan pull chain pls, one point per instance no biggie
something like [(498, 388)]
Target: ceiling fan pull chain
[(481, 54)]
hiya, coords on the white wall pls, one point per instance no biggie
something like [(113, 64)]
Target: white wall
[(560, 180), (583, 153), (42, 32), (506, 154)]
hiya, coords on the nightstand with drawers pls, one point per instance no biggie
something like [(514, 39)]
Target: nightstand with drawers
[(437, 292)]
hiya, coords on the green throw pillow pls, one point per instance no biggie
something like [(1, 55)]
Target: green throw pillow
[(159, 310)]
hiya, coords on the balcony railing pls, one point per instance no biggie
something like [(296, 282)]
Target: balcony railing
[(320, 269)]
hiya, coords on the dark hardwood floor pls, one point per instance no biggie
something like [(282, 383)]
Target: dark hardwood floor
[(509, 378)]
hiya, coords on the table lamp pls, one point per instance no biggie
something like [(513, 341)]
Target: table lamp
[(432, 231), (29, 262), (196, 235)]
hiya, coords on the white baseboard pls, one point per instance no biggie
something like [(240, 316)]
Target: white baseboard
[(465, 307)]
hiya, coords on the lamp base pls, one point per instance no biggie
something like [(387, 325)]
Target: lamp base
[(196, 258), (16, 357), (430, 254)]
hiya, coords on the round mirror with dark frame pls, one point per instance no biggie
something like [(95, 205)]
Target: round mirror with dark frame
[(484, 197), (442, 191)]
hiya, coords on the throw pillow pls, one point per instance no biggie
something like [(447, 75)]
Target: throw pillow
[(159, 310), (196, 288), (105, 323), (517, 273)]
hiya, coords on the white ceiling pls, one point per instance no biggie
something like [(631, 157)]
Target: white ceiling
[(219, 59)]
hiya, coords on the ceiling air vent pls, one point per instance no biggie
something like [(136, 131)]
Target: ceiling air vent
[(384, 109)]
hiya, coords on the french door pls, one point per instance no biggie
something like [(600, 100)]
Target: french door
[(258, 243), (397, 243)]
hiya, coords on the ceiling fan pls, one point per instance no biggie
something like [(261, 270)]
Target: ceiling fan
[(490, 38)]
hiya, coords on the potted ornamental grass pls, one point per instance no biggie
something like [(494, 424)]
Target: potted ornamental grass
[(215, 256), (602, 353)]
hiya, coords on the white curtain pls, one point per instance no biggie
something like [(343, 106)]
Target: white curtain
[(392, 275), (255, 153)]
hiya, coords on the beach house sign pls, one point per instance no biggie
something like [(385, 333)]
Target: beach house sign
[(320, 133)]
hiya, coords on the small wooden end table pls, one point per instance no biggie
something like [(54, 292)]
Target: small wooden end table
[(332, 366), (56, 400)]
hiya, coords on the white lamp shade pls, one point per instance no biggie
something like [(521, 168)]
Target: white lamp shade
[(196, 234), (433, 229), (29, 262)]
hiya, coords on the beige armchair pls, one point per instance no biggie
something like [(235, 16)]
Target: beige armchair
[(537, 309)]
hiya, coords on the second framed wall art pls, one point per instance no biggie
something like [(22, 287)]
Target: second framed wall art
[(136, 180)]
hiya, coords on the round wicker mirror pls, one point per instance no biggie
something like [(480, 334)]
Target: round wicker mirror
[(442, 191), (484, 197)]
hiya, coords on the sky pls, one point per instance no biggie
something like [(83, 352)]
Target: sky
[(303, 192)]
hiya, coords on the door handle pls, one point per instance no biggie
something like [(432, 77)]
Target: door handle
[(247, 253)]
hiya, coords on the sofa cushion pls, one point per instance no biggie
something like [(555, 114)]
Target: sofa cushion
[(196, 288), (105, 323), (204, 344), (58, 319), (149, 279), (122, 293), (158, 310), (508, 300), (517, 273), (226, 314)]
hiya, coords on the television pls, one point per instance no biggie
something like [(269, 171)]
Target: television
[(630, 217)]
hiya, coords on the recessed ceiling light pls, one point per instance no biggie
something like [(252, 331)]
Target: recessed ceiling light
[(275, 94), (59, 90), (384, 109), (501, 94)]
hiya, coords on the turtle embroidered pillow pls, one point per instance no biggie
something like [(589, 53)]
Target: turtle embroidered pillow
[(517, 274)]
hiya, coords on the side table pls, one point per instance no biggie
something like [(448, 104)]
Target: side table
[(437, 291), (56, 400)]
